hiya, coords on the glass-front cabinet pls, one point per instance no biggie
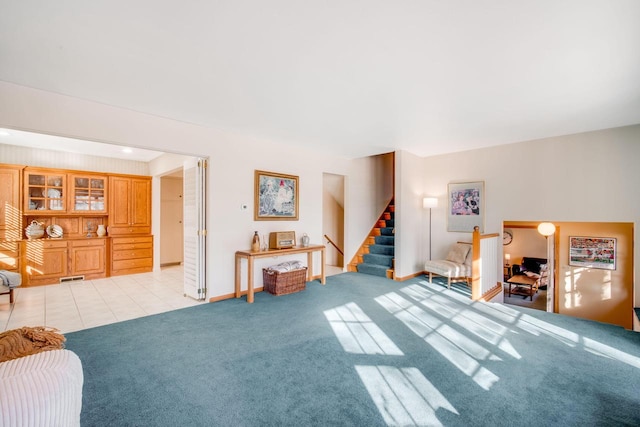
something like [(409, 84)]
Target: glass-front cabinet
[(88, 194), (45, 191)]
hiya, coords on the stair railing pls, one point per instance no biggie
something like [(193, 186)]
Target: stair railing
[(332, 243)]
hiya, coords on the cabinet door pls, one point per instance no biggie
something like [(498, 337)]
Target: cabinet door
[(46, 260), (129, 206), (10, 215), (44, 191), (141, 202), (88, 194), (10, 256), (119, 201), (87, 259)]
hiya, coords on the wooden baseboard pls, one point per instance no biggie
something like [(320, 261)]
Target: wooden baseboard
[(492, 293), (233, 295), (411, 276)]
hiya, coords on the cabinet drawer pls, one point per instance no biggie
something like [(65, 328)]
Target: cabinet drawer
[(45, 244), (87, 242), (130, 240), (132, 263), (131, 246), (125, 231), (132, 253)]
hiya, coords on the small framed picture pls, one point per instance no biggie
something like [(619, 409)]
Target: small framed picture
[(593, 252), (466, 207), (276, 197)]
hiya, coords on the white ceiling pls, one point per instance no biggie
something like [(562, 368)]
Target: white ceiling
[(361, 77)]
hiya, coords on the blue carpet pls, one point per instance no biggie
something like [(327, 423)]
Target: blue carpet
[(359, 351)]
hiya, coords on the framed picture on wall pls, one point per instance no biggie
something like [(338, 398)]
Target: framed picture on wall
[(276, 197), (593, 252), (466, 207)]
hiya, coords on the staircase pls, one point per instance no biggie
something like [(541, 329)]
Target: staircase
[(376, 255)]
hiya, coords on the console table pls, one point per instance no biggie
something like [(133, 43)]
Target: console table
[(271, 253)]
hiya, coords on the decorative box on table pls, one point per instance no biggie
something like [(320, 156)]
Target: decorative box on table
[(285, 278)]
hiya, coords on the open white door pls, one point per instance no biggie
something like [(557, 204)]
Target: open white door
[(195, 231)]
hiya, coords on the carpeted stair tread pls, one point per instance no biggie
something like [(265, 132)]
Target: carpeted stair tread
[(385, 240), (373, 269), (382, 249), (384, 260), (390, 223), (386, 231)]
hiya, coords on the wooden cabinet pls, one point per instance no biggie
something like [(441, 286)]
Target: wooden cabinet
[(10, 211), (129, 205), (87, 258), (131, 255), (46, 261), (44, 191), (49, 260), (76, 201), (10, 255), (87, 194)]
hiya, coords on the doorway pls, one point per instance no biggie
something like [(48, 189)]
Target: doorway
[(524, 245), (333, 222), (171, 219)]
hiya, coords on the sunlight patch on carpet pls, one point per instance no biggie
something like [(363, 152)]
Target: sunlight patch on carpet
[(458, 349), (403, 395), (604, 350), (357, 333), (479, 325)]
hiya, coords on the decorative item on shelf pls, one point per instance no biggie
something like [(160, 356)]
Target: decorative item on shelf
[(54, 231), (305, 240), (102, 231), (265, 245), (282, 239), (34, 230), (90, 229), (255, 243)]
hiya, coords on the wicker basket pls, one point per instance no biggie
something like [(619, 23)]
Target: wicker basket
[(277, 283)]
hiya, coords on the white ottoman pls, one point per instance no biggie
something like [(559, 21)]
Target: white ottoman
[(43, 389)]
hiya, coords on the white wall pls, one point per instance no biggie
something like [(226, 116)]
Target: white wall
[(585, 177), (232, 161), (410, 216)]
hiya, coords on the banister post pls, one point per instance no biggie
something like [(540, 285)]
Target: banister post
[(476, 285)]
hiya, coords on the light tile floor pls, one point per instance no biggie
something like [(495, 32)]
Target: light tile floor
[(72, 306), (83, 304)]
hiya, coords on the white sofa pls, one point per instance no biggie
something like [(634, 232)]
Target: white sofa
[(455, 267), (42, 389)]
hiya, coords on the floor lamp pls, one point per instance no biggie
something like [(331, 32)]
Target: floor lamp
[(429, 203)]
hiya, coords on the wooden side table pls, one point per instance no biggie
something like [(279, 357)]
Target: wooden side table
[(507, 272), (250, 256)]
